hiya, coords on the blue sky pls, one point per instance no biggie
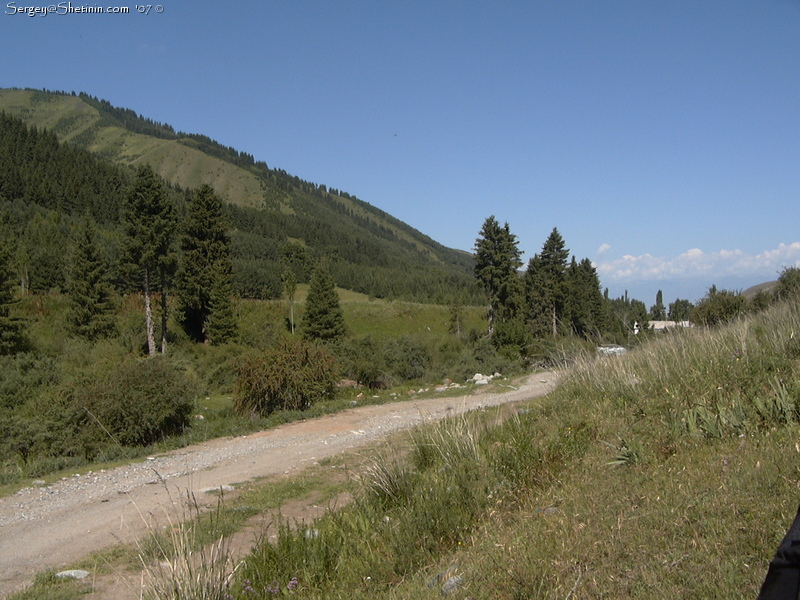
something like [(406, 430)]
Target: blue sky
[(662, 138)]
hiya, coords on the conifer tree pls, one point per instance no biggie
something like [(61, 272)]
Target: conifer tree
[(554, 260), (536, 307), (584, 305), (150, 224), (220, 325), (41, 251), (206, 258), (90, 295), (323, 319), (497, 260), (11, 329), (546, 287), (457, 318)]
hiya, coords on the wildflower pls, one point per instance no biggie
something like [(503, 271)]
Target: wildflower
[(247, 587), (292, 584), (274, 589)]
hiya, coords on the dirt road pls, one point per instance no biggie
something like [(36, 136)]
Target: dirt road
[(57, 525)]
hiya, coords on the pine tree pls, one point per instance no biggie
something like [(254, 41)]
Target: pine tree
[(323, 319), (220, 326), (11, 328), (41, 251), (206, 256), (497, 261), (536, 306), (90, 295), (584, 305), (457, 318), (546, 288), (150, 225), (625, 319)]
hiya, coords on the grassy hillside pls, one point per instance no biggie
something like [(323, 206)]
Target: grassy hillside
[(78, 123), (189, 160)]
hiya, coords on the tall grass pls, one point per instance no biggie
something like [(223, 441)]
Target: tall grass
[(672, 471), (669, 472), (182, 563), (711, 383)]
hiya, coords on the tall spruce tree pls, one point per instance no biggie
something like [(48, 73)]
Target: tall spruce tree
[(584, 305), (41, 253), (497, 261), (150, 224), (546, 283), (536, 306), (11, 328), (90, 294), (220, 325), (323, 319), (205, 263)]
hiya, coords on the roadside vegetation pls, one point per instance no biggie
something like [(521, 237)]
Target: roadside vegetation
[(671, 471), (137, 317), (67, 403)]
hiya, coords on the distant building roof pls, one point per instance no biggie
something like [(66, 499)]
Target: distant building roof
[(662, 325)]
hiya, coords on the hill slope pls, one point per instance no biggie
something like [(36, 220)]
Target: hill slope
[(373, 252)]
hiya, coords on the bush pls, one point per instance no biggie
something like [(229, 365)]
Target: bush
[(136, 403), (407, 358), (719, 306), (362, 359), (22, 377), (292, 376)]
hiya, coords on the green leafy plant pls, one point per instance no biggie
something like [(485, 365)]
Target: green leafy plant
[(136, 403), (292, 376)]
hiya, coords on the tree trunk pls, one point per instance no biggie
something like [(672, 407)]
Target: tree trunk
[(555, 321), (163, 321), (148, 315)]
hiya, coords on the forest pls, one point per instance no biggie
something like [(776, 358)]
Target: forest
[(126, 299)]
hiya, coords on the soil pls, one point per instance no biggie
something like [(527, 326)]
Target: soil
[(55, 526)]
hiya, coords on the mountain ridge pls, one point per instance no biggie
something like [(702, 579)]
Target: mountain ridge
[(311, 215)]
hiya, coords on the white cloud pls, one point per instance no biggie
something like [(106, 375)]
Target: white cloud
[(603, 248), (695, 262)]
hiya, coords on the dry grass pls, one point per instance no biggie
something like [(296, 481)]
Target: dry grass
[(671, 472)]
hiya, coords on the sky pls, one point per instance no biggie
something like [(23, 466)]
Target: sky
[(661, 137)]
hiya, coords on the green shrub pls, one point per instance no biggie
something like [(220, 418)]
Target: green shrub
[(292, 376), (22, 376), (407, 358), (137, 403), (361, 359), (719, 306), (17, 435)]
